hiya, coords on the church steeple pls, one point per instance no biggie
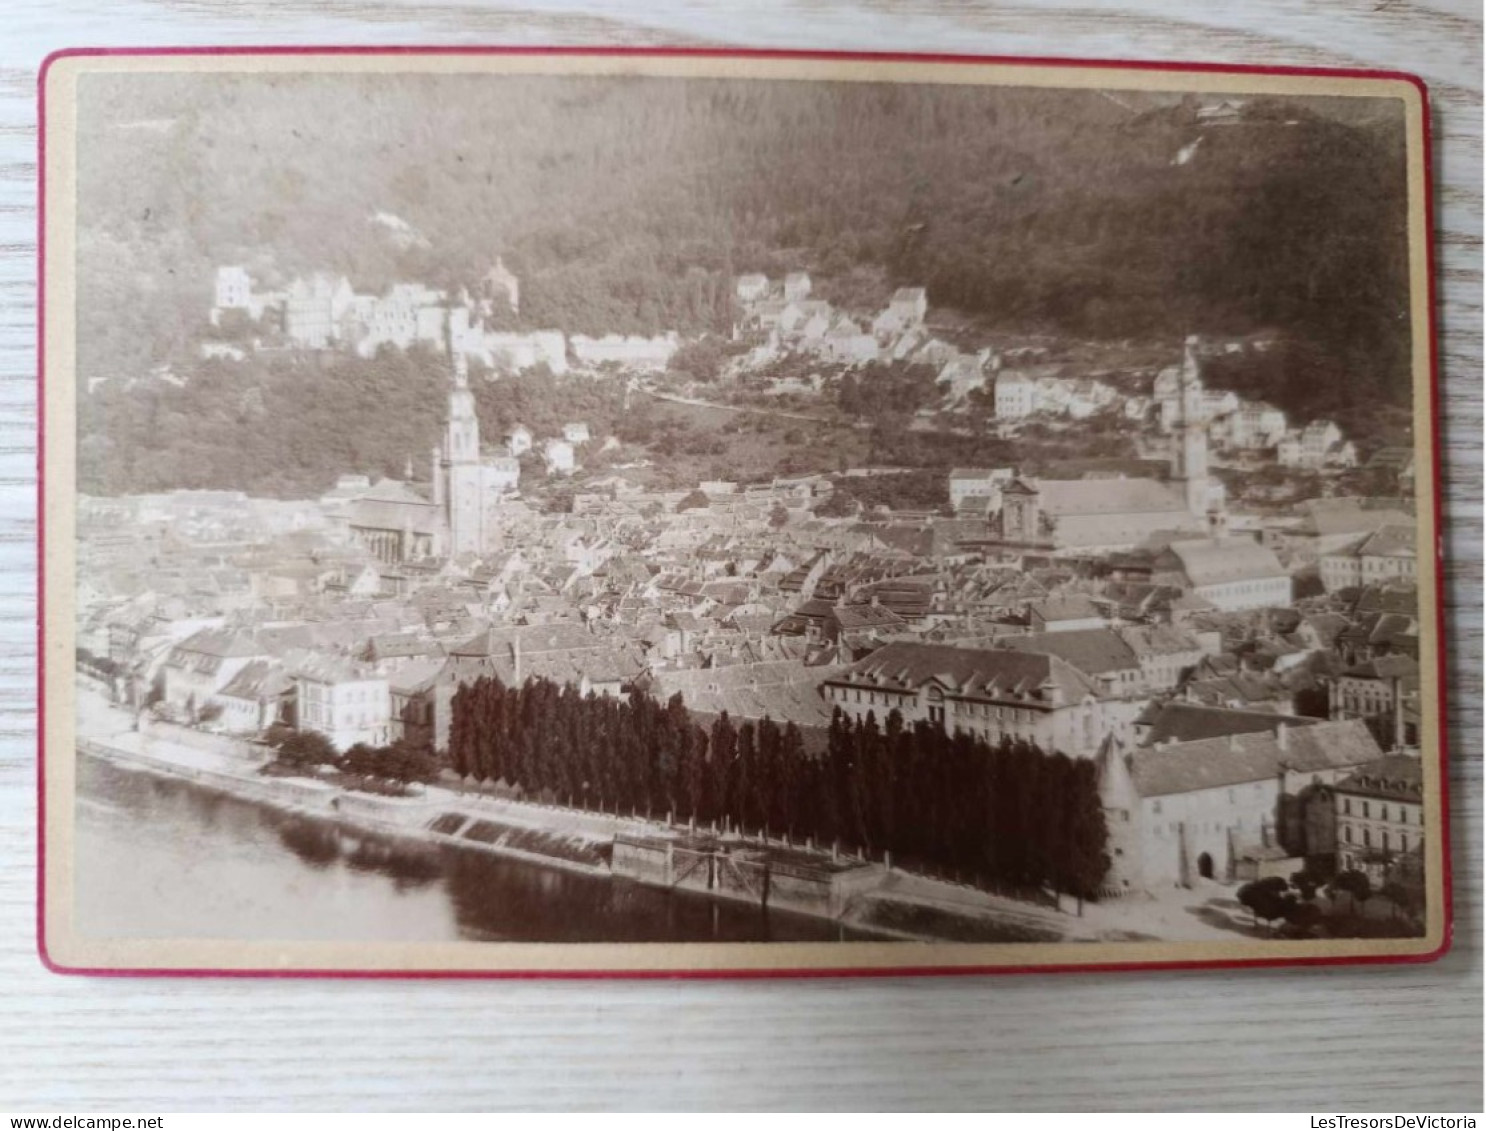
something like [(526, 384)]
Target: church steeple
[(1189, 459), (463, 495), (462, 434)]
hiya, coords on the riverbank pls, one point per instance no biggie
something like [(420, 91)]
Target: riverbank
[(863, 896)]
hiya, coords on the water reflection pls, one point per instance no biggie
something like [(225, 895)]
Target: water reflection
[(161, 858), (313, 842)]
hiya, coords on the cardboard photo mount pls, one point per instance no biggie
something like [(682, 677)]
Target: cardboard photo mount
[(64, 950)]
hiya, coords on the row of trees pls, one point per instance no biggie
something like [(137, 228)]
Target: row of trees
[(1006, 815)]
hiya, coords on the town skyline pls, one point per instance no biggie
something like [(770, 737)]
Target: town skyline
[(882, 594)]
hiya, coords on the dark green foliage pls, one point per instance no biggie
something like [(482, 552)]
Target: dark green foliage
[(288, 427), (401, 763), (1307, 883), (888, 392), (1267, 899), (838, 504), (628, 205), (1006, 815), (301, 749), (702, 360), (1354, 884), (924, 490)]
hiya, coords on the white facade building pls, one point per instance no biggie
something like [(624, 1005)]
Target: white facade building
[(345, 704), (1016, 396)]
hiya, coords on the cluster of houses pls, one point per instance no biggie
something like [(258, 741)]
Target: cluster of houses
[(323, 311), (780, 318), (559, 453), (1247, 685), (1239, 730)]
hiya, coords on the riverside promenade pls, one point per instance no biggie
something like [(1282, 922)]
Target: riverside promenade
[(888, 902)]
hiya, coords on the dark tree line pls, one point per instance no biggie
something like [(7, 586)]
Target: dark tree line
[(1004, 815), (286, 427), (630, 204), (363, 766)]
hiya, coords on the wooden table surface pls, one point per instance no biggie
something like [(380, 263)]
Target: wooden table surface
[(1395, 1039)]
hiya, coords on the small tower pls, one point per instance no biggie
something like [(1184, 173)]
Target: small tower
[(501, 285), (1189, 460), (461, 463), (1021, 512)]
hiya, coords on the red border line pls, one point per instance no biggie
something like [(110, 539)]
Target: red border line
[(743, 53)]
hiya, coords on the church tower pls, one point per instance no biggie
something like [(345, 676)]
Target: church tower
[(1189, 461), (461, 464)]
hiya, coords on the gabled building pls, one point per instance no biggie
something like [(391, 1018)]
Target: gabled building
[(751, 288), (1015, 395), (1387, 554), (199, 667), (315, 311), (1383, 693), (501, 286), (258, 696), (345, 702), (978, 489), (1379, 816), (1098, 653), (1093, 515), (1231, 573), (984, 692), (1065, 614), (1165, 654), (1187, 811)]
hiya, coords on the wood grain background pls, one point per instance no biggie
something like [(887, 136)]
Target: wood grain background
[(1368, 1039)]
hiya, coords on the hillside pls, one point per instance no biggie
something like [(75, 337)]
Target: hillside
[(626, 205), (629, 205)]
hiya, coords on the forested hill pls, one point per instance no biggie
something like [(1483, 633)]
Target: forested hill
[(627, 204)]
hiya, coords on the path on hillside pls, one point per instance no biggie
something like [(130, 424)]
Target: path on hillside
[(784, 414)]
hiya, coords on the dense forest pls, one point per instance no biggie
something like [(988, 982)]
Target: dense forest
[(628, 204), (287, 427), (1009, 815)]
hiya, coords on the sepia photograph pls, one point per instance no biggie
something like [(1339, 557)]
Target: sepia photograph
[(636, 512)]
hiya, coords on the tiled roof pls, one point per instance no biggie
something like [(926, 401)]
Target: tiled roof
[(534, 640), (851, 618), (1067, 497), (1186, 722), (404, 644), (258, 680), (1157, 640), (1074, 607), (985, 673), (329, 669), (1240, 687), (1392, 540), (1386, 668), (981, 474), (416, 676), (1325, 517), (1394, 777), (223, 644), (1212, 763), (1093, 651), (1214, 561)]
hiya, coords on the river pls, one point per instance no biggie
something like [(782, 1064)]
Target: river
[(163, 858)]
